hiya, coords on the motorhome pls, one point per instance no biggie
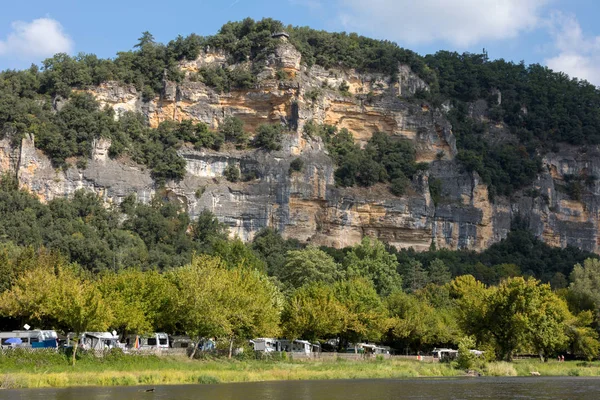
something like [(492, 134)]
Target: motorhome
[(157, 341), (37, 339), (444, 354), (296, 346), (95, 340), (266, 345), (374, 349)]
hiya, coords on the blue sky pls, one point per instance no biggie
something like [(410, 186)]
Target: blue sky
[(562, 34)]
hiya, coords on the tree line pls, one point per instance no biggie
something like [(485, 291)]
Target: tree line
[(210, 298)]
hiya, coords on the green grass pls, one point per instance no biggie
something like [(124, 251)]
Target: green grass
[(53, 370), (39, 371)]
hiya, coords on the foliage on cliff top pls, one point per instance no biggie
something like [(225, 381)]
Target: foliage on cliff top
[(541, 108)]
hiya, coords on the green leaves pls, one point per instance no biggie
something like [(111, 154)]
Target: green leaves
[(309, 265), (371, 260)]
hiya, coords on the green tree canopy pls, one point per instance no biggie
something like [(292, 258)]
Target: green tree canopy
[(371, 260), (309, 265)]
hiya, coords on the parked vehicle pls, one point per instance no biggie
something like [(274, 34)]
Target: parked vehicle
[(298, 346), (95, 341), (158, 340), (37, 339), (444, 354), (267, 345)]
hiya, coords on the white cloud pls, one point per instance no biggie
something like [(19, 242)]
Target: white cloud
[(578, 54), (461, 23), (34, 40)]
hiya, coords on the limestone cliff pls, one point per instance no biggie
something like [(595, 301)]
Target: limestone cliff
[(307, 205)]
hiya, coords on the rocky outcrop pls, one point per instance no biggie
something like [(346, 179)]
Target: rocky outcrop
[(307, 205)]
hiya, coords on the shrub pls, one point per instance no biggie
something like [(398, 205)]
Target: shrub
[(399, 185), (344, 88), (281, 75), (232, 173), (268, 137), (465, 359), (314, 94), (233, 130), (435, 190), (296, 165)]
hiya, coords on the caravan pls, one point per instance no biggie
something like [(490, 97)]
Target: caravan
[(266, 345), (95, 340), (36, 339), (156, 341)]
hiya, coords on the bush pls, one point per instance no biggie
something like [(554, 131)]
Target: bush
[(435, 190), (281, 75), (268, 137), (344, 88), (232, 173), (314, 94), (399, 185), (465, 359), (296, 165), (233, 130)]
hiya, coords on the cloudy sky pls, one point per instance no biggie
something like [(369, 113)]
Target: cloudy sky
[(562, 34)]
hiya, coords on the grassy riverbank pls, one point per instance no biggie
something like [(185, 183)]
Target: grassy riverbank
[(151, 370)]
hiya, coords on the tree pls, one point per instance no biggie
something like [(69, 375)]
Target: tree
[(253, 305), (371, 260), (465, 358), (439, 273), (233, 130), (198, 287), (471, 306), (416, 323), (140, 300), (146, 39), (236, 253), (216, 301), (583, 340), (207, 229), (366, 317), (309, 265), (62, 297), (524, 314), (268, 137), (585, 281), (273, 248), (415, 276), (312, 312)]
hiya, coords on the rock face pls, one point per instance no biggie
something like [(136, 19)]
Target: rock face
[(307, 205)]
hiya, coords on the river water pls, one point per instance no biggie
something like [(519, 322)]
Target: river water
[(462, 388)]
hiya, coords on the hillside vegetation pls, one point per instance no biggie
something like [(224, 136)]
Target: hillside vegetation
[(77, 265), (56, 259), (540, 108)]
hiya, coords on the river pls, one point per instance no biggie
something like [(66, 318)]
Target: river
[(463, 388)]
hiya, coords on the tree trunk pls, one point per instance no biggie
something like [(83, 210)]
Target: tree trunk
[(75, 346), (230, 347), (195, 348), (541, 356)]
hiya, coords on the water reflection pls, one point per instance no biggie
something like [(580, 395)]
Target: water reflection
[(452, 389)]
